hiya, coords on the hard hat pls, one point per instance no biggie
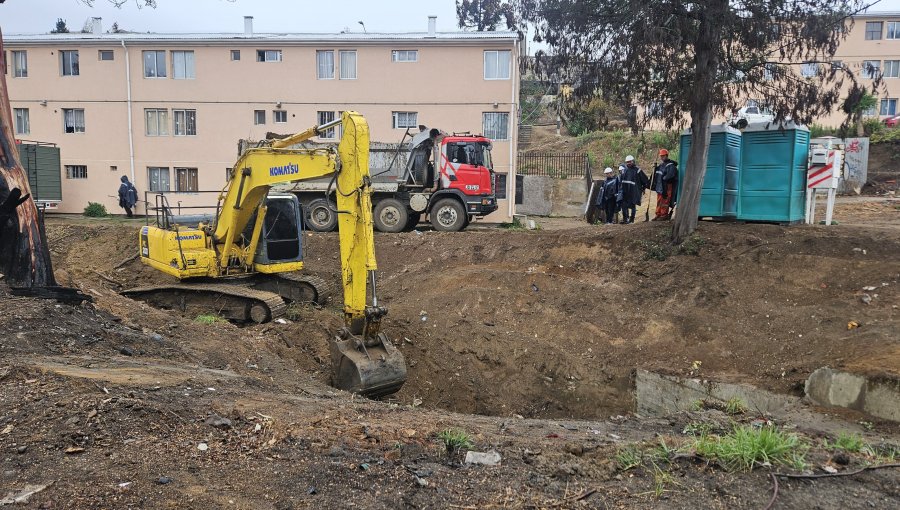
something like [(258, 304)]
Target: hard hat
[(629, 158), (608, 170), (663, 152)]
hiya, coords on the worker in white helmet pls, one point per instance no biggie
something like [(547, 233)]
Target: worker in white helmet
[(634, 182)]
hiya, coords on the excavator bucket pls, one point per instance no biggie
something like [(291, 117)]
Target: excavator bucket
[(372, 371)]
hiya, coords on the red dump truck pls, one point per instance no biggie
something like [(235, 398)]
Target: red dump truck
[(446, 179)]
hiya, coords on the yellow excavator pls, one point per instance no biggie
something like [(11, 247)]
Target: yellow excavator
[(244, 265)]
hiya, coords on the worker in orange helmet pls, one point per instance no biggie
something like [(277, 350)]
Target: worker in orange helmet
[(665, 184)]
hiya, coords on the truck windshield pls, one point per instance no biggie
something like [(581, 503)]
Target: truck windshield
[(488, 162), (470, 153)]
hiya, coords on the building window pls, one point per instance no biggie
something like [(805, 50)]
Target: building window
[(113, 168), (325, 118), (186, 180), (73, 120), (158, 178), (69, 61), (348, 65), (156, 122), (235, 55), (769, 72), (268, 55), (20, 64), (185, 122), (183, 65), (404, 120), (893, 30), (105, 55), (154, 64), (496, 65), (809, 69), (871, 69), (259, 117), (76, 172), (891, 69), (325, 65), (496, 125), (873, 30), (279, 116), (405, 56), (23, 123), (888, 107), (837, 64)]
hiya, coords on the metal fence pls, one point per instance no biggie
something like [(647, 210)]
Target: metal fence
[(562, 165)]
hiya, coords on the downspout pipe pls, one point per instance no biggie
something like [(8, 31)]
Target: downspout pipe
[(130, 123)]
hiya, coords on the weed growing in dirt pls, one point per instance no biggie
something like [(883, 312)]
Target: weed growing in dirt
[(209, 319), (746, 447), (95, 210), (295, 311), (698, 428), (660, 247), (661, 480), (853, 443), (629, 457), (455, 440), (734, 406)]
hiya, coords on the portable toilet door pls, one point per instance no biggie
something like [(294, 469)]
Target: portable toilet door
[(719, 195), (773, 172)]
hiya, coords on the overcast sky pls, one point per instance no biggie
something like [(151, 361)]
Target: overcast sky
[(39, 16)]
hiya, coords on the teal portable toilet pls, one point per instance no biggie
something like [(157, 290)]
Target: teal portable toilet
[(773, 172), (719, 196)]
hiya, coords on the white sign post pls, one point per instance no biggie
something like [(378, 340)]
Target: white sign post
[(823, 173)]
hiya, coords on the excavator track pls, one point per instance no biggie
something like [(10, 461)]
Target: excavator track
[(229, 301), (293, 287)]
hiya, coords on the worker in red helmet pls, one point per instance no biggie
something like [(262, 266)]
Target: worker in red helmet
[(665, 184)]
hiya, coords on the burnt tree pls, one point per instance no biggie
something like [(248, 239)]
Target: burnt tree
[(24, 255)]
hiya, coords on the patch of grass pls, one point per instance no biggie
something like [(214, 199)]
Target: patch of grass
[(455, 440), (698, 405), (746, 447), (734, 406), (698, 428), (95, 210), (209, 319), (691, 245), (661, 480), (655, 250), (853, 443), (629, 457), (295, 311)]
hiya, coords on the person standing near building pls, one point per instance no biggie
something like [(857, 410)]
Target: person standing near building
[(609, 195), (665, 184), (634, 182), (127, 196)]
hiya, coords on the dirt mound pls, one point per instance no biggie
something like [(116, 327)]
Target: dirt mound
[(552, 323)]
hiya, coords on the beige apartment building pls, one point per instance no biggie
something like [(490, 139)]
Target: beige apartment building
[(873, 48), (167, 110)]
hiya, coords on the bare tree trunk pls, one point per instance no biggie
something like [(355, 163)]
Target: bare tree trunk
[(24, 256), (706, 55)]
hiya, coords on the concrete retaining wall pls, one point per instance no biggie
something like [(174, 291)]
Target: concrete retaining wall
[(657, 394), (547, 196), (877, 397)]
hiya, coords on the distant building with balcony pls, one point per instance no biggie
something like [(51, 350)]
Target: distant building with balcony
[(167, 110)]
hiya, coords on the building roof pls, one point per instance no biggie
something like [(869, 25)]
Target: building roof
[(258, 37), (878, 14)]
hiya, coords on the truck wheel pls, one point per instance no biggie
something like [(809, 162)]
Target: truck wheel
[(448, 215), (390, 215), (320, 215)]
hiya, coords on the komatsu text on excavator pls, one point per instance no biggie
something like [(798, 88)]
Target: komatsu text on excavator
[(244, 265)]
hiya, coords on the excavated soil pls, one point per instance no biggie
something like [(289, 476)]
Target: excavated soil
[(117, 404)]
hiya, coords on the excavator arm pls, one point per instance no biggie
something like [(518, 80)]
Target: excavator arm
[(363, 359)]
